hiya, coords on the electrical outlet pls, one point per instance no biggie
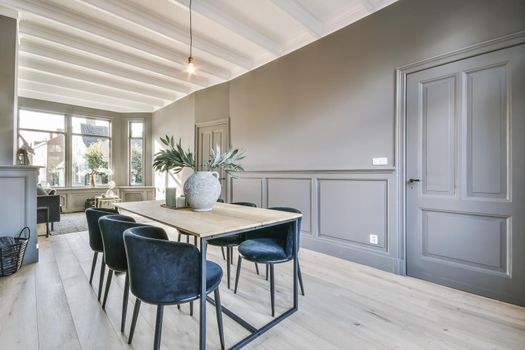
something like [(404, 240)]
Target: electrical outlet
[(380, 161), (374, 239)]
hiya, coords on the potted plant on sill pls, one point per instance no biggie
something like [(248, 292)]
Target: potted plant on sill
[(202, 189), (95, 163)]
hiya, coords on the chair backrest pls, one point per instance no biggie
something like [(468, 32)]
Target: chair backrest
[(161, 271), (92, 216), (286, 230), (246, 204), (112, 228)]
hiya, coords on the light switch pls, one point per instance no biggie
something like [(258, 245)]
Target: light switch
[(380, 161)]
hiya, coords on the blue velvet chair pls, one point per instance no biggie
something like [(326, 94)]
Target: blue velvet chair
[(229, 242), (272, 245), (95, 241), (163, 272), (112, 228)]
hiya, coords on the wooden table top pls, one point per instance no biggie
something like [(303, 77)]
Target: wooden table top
[(224, 218)]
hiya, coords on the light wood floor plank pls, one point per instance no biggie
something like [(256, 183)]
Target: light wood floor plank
[(347, 306)]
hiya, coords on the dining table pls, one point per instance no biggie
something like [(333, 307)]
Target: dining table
[(223, 220)]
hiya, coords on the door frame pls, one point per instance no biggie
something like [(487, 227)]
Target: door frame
[(222, 121), (401, 74)]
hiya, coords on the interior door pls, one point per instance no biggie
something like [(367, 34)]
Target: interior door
[(466, 161), (209, 135)]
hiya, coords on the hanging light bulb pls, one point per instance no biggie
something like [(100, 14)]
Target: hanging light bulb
[(190, 68)]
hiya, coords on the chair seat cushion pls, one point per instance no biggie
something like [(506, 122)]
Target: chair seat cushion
[(226, 241), (263, 250), (213, 275)]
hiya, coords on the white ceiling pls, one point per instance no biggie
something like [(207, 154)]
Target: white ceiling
[(130, 55)]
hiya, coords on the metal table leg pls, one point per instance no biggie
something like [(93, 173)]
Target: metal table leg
[(202, 324)]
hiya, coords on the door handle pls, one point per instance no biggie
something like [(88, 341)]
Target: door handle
[(411, 181)]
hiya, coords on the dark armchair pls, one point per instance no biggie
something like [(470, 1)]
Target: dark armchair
[(51, 214)]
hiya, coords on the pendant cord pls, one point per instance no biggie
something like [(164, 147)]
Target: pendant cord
[(191, 33)]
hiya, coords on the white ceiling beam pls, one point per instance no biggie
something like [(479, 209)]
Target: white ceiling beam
[(301, 15), (71, 57), (93, 26), (60, 68), (85, 44), (57, 80), (39, 95), (142, 16), (66, 92), (213, 12)]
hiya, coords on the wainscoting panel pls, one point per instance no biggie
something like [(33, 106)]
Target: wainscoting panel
[(472, 240), (247, 189), (341, 210), (295, 193), (352, 210)]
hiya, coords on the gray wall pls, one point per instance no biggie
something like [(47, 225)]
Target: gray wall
[(177, 120), (312, 121), (120, 132), (8, 69)]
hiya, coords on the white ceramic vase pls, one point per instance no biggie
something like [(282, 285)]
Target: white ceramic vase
[(202, 189)]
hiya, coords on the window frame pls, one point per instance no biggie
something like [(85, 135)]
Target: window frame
[(68, 139), (64, 132), (72, 134), (130, 139)]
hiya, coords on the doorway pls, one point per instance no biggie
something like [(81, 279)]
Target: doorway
[(208, 135)]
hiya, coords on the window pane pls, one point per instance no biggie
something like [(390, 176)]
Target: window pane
[(41, 121), (136, 176), (47, 150), (136, 129), (97, 127), (90, 153)]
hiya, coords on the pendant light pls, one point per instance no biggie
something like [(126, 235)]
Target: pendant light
[(190, 68)]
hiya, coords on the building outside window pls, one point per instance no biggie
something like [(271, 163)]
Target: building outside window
[(43, 134), (90, 135), (136, 153)]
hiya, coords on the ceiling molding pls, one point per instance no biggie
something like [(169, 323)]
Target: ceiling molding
[(80, 85), (301, 15), (73, 101), (65, 55), (209, 10), (72, 93), (50, 34), (75, 72)]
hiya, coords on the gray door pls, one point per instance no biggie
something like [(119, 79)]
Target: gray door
[(209, 135), (466, 146)]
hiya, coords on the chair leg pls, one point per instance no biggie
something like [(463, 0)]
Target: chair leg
[(125, 303), (108, 284), (158, 327), (191, 308), (93, 264), (222, 251), (300, 278), (218, 309), (53, 226), (134, 320), (267, 266), (101, 282), (256, 268), (239, 262), (228, 263), (272, 289)]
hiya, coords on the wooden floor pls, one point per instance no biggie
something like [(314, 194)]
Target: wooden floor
[(50, 305)]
